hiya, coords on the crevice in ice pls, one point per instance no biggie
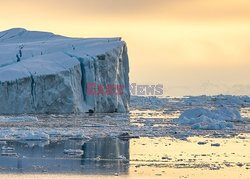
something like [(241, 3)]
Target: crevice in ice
[(84, 78), (101, 57), (6, 64), (33, 84), (3, 35), (83, 81), (8, 88), (18, 59)]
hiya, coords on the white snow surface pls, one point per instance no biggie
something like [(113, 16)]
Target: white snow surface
[(41, 72)]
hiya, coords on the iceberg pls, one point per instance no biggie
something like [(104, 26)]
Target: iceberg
[(44, 73)]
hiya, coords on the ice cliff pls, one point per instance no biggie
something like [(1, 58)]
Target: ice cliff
[(42, 72)]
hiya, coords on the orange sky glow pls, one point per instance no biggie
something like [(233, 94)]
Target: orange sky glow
[(192, 47)]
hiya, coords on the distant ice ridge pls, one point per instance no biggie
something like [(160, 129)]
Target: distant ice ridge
[(160, 103), (218, 100), (45, 73), (217, 119)]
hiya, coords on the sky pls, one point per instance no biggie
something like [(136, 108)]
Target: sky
[(192, 47)]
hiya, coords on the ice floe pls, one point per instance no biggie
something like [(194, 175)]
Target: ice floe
[(17, 118)]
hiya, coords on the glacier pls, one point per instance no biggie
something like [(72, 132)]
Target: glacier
[(44, 73)]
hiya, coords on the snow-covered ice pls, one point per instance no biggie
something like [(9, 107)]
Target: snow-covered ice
[(42, 72)]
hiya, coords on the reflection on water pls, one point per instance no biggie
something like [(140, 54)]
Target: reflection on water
[(100, 156), (106, 156), (166, 157)]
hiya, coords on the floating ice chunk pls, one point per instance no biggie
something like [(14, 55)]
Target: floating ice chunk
[(202, 143), (78, 137), (9, 154), (106, 118), (39, 143), (183, 135), (121, 157), (7, 148), (18, 118), (77, 152), (201, 118), (32, 136), (215, 145)]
